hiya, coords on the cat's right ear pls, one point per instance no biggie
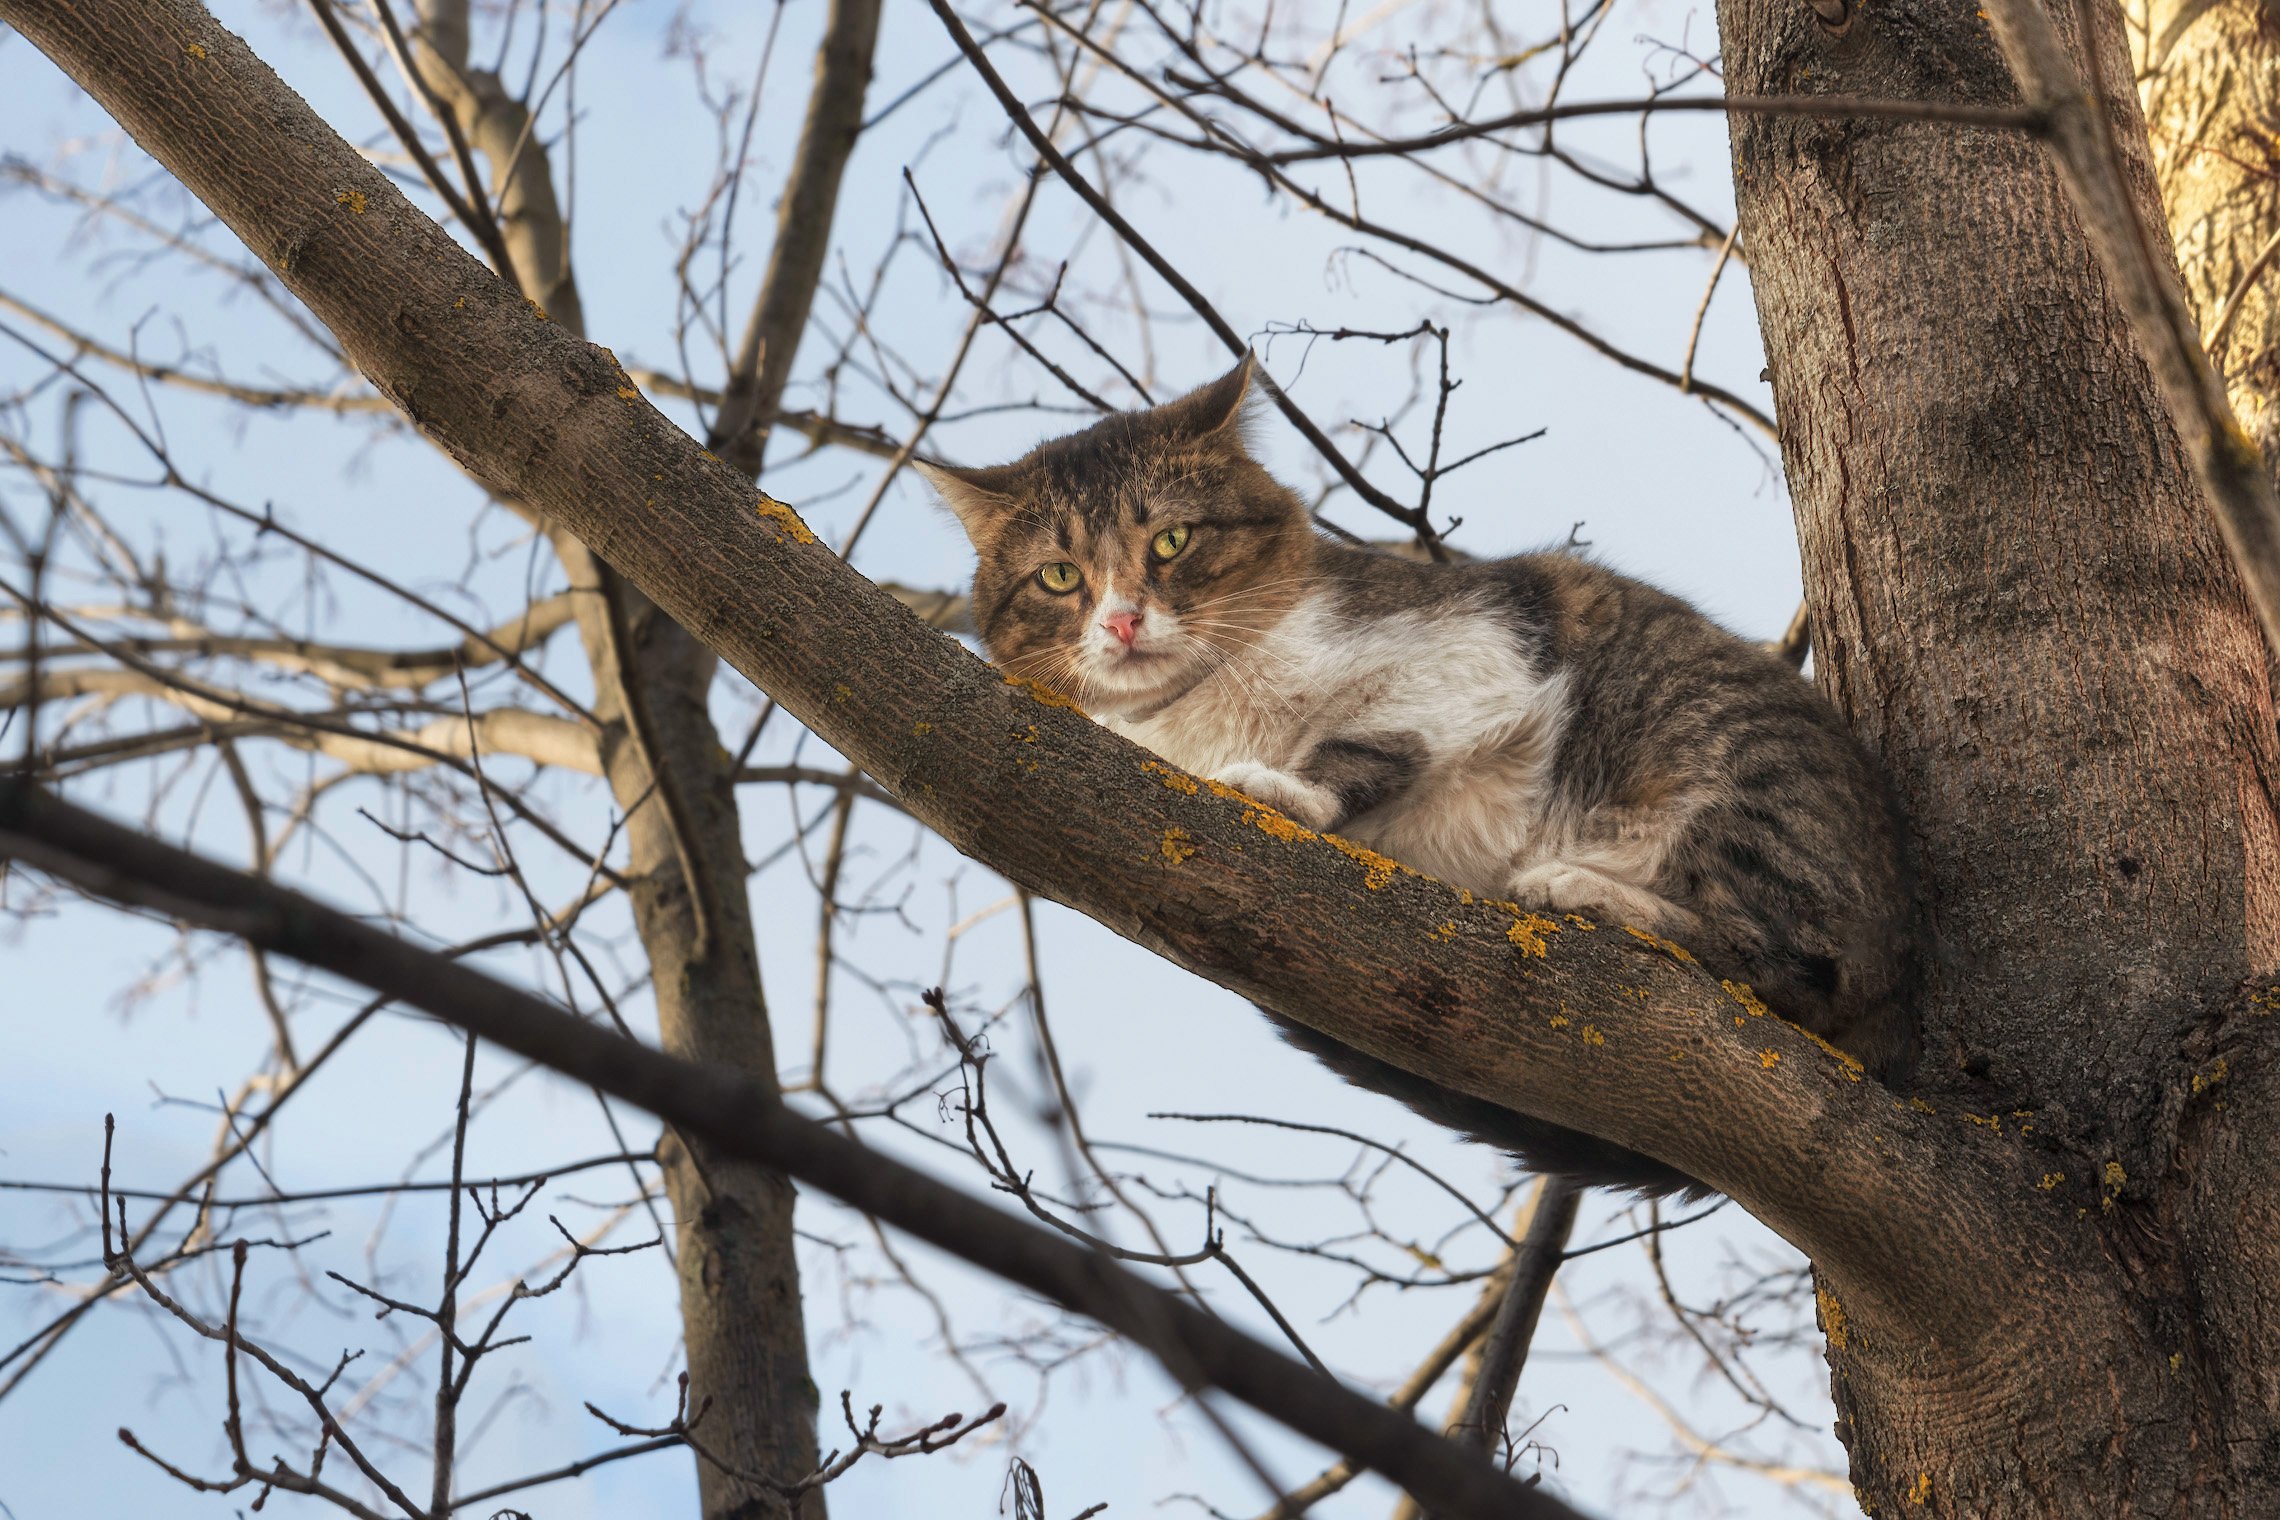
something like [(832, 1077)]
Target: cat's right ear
[(1214, 414), (980, 498)]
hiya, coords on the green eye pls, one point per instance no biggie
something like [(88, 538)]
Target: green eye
[(1169, 543), (1060, 578)]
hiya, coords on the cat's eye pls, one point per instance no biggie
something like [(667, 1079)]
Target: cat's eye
[(1060, 578), (1169, 543)]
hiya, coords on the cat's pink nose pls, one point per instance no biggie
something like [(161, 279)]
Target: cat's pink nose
[(1125, 625)]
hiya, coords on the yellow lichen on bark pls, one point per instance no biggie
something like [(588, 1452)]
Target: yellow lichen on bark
[(1528, 931), (1039, 692), (783, 519), (353, 200), (1175, 780), (1269, 822), (1920, 1491), (1676, 952), (1177, 847), (1832, 1318), (1377, 870), (1592, 1036), (1744, 994)]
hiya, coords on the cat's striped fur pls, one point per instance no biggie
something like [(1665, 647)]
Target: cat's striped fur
[(1538, 729)]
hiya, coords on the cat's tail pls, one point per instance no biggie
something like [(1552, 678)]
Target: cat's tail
[(1537, 1145)]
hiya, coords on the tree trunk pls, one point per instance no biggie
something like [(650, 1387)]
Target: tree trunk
[(743, 1330), (2020, 599)]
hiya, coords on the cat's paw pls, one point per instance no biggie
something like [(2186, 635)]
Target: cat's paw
[(1567, 887), (1292, 796)]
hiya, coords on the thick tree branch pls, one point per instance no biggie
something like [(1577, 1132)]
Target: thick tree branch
[(2142, 266), (743, 1118), (1593, 1027)]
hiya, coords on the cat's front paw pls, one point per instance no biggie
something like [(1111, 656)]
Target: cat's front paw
[(1292, 796)]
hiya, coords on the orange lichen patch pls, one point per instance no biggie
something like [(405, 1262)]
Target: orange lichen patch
[(921, 729), (1592, 1036), (1528, 931), (2051, 1180), (1744, 994), (2267, 1002), (628, 393), (1464, 895), (1038, 691), (1273, 824), (354, 200), (537, 310), (1675, 951), (1377, 870), (1026, 734), (708, 454), (1847, 1063), (841, 691), (195, 50), (2216, 1073), (1559, 1021), (1921, 1107), (1177, 847), (1987, 1121), (1769, 1059), (1444, 933), (1832, 1318), (1177, 780), (1920, 1491), (1580, 921), (784, 520)]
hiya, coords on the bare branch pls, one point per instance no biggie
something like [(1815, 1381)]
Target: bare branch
[(741, 1118)]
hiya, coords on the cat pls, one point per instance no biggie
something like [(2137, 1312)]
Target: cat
[(1537, 729)]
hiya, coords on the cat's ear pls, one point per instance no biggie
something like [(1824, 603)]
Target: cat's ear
[(981, 498), (1214, 413)]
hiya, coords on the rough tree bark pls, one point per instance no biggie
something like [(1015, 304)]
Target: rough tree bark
[(2020, 600), (2047, 1276)]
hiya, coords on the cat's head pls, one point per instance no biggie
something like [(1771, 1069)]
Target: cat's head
[(1124, 563)]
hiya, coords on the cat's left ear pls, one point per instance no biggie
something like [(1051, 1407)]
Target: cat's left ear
[(981, 498), (1216, 413)]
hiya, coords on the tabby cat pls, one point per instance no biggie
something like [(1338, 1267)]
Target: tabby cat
[(1538, 729)]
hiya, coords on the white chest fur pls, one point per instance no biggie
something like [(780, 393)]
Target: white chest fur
[(1453, 681)]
